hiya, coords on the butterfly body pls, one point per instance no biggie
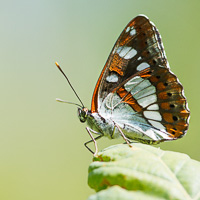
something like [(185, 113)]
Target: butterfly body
[(107, 128), (134, 127)]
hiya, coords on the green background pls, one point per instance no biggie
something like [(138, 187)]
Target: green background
[(41, 141)]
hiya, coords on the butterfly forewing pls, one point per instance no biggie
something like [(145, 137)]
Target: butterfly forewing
[(138, 46), (136, 87)]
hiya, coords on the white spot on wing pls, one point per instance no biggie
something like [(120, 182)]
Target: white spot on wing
[(122, 51), (131, 54), (142, 90), (145, 101), (142, 66), (136, 80), (126, 52), (139, 58), (133, 32), (119, 49), (153, 107), (152, 115), (112, 78), (157, 125), (128, 29)]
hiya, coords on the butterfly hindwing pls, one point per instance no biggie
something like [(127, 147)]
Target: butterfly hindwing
[(157, 96)]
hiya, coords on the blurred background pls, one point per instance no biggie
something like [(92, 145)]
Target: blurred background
[(42, 155)]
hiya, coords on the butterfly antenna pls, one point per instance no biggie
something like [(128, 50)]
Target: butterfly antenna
[(63, 101), (70, 86)]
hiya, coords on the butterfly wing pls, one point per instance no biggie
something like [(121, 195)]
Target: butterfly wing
[(136, 87), (138, 42)]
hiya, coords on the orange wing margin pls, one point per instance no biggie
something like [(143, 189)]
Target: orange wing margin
[(94, 106)]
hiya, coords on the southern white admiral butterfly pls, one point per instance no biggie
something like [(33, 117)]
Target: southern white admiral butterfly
[(137, 96)]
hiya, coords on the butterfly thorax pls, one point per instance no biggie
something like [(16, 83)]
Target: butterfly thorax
[(101, 125), (97, 123)]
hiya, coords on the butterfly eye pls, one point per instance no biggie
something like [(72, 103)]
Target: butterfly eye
[(82, 114)]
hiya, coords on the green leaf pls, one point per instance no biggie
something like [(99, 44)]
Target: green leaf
[(118, 193), (144, 172)]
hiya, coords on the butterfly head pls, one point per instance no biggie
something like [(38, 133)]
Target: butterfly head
[(82, 114)]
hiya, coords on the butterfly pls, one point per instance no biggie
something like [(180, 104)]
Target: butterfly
[(136, 97)]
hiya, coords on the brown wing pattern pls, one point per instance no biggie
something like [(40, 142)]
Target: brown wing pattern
[(170, 99), (139, 52), (146, 41)]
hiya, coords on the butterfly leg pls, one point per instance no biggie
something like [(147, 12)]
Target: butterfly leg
[(122, 134), (92, 140)]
